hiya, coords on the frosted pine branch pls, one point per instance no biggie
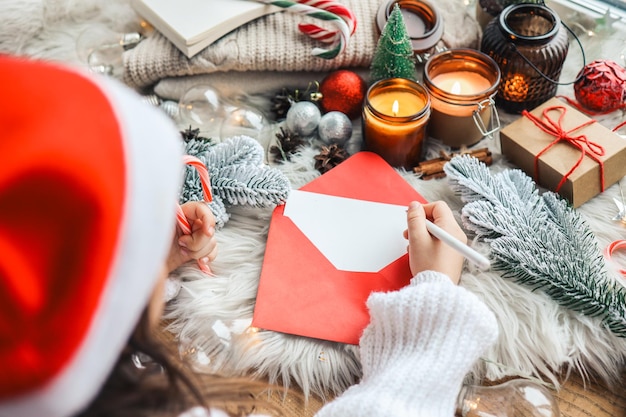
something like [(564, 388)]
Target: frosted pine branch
[(238, 176), (538, 240), (238, 150), (256, 186)]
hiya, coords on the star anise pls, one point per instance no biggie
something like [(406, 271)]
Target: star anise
[(288, 143), (329, 157)]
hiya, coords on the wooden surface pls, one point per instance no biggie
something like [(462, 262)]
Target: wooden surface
[(593, 399), (576, 399)]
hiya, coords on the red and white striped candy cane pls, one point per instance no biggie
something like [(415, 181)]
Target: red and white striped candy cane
[(335, 8), (344, 23), (205, 181)]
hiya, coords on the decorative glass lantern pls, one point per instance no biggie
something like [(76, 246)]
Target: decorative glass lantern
[(488, 9), (530, 44)]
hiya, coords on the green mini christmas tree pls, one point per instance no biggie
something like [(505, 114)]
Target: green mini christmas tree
[(393, 57)]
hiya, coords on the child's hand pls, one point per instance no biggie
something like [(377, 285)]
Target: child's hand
[(200, 244), (426, 252)]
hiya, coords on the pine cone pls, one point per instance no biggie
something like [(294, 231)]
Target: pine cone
[(288, 143), (282, 101), (190, 134), (330, 157)]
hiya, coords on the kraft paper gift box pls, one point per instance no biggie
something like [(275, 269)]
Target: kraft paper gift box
[(604, 151)]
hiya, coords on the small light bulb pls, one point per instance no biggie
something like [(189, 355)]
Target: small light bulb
[(518, 397), (243, 120), (101, 49), (200, 107)]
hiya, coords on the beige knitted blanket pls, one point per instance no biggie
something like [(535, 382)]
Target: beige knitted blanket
[(274, 43)]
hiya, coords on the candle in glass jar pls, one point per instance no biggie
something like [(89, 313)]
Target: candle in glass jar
[(462, 84), (394, 120), (459, 83)]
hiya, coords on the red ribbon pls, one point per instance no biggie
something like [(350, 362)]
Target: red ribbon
[(586, 147)]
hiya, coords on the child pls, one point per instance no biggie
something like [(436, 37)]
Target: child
[(88, 189)]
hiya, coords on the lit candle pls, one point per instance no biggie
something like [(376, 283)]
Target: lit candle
[(458, 83), (462, 84), (394, 121), (515, 88)]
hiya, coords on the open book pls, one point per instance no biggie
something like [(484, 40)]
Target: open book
[(192, 25)]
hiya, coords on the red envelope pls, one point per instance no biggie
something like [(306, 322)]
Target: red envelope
[(300, 291)]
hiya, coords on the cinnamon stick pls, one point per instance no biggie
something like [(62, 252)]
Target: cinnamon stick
[(433, 168)]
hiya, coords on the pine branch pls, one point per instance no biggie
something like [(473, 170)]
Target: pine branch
[(238, 150), (256, 186), (238, 176), (538, 241), (198, 148)]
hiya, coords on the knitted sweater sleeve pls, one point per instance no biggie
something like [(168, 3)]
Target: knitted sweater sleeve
[(419, 345)]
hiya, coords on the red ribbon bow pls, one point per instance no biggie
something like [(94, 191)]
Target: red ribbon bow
[(548, 125)]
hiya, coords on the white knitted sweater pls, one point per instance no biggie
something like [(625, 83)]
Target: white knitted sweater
[(420, 343), (274, 43)]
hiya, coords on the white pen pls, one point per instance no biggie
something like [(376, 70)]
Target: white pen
[(481, 261)]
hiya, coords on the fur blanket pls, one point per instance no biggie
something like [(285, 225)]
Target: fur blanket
[(211, 315)]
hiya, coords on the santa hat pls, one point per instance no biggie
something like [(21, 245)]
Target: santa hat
[(89, 180)]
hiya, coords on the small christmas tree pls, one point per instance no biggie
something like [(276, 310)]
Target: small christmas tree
[(393, 57)]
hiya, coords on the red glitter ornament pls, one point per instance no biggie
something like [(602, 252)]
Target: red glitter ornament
[(343, 91), (601, 87)]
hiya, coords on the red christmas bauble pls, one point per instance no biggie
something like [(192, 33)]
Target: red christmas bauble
[(343, 91), (601, 87)]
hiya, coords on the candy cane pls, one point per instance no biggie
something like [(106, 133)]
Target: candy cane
[(183, 223), (335, 8), (337, 38)]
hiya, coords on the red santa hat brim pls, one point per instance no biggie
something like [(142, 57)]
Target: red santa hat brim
[(87, 210)]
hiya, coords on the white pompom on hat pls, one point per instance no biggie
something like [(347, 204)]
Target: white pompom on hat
[(89, 180)]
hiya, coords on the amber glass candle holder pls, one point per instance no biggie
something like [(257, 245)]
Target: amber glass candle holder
[(530, 45), (462, 84), (423, 22), (395, 114)]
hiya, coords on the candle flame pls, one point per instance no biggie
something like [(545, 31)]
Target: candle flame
[(395, 107), (456, 88)]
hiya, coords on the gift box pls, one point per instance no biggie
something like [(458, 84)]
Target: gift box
[(565, 151)]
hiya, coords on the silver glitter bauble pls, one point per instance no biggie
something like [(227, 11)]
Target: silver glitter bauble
[(303, 118), (335, 127)]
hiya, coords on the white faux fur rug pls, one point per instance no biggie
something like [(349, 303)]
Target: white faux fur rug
[(212, 314)]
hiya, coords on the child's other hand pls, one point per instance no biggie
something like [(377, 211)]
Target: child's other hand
[(201, 244)]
